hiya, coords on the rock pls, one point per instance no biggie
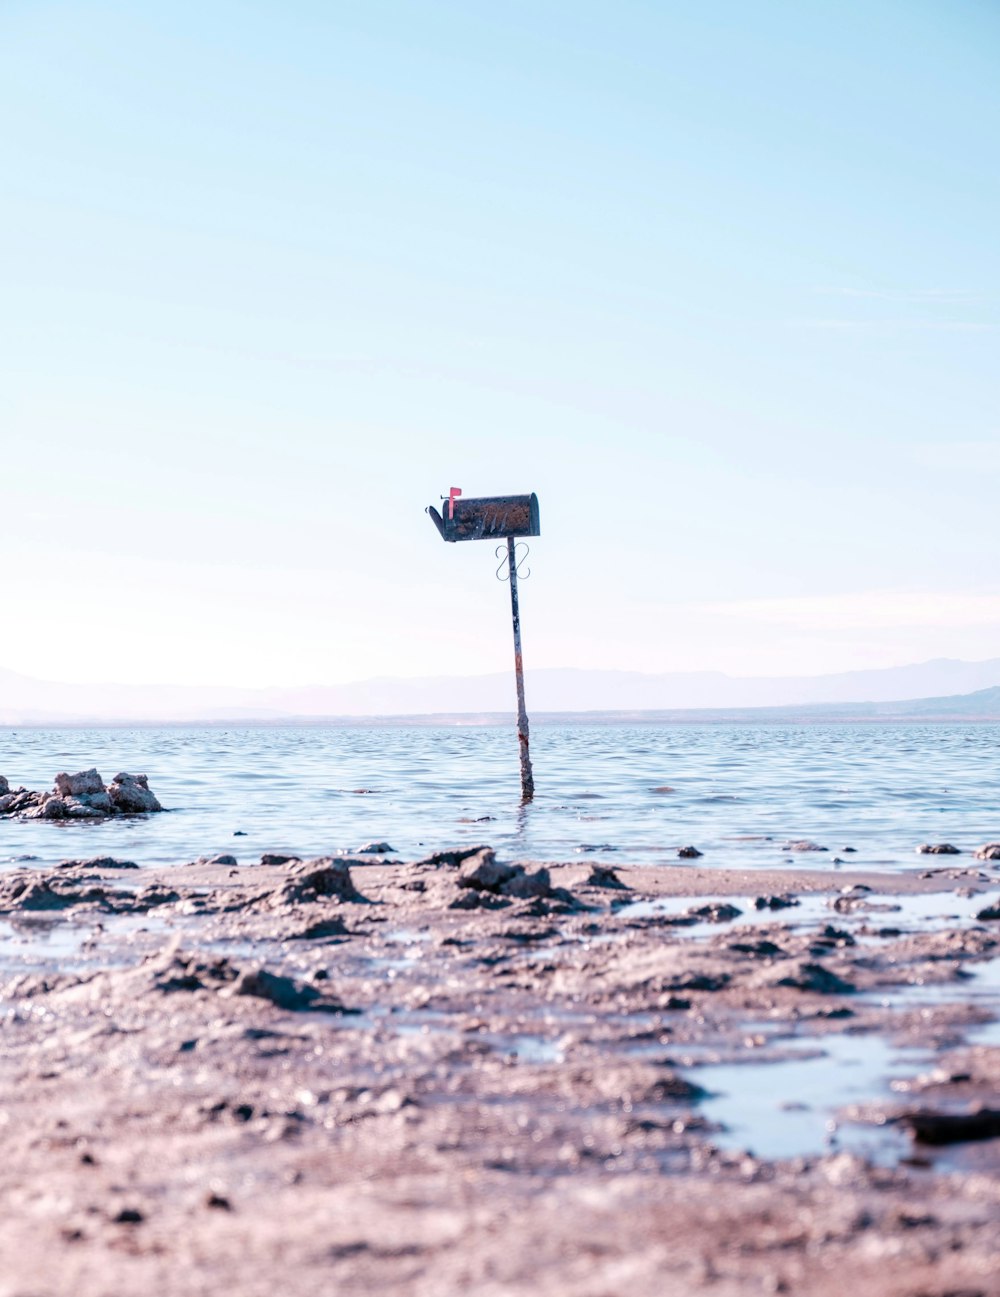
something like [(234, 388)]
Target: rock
[(318, 930), (509, 880), (33, 890), (325, 876), (284, 992), (471, 900), (814, 977), (489, 874), (716, 912), (155, 894), (79, 809), (174, 970), (697, 982), (97, 863), (937, 849), (24, 892), (528, 936), (670, 1089), (128, 1216), (4, 785), (53, 808), (21, 800), (761, 949), (100, 802), (783, 902), (84, 781), (689, 853), (929, 1127), (375, 849), (130, 795), (991, 912), (803, 845), (854, 904), (525, 885), (36, 892), (605, 876), (490, 884), (831, 938), (991, 851), (457, 857), (81, 796)]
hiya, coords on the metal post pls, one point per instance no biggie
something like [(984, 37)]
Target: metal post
[(527, 778)]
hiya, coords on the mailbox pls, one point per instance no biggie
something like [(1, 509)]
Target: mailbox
[(491, 518), (503, 518)]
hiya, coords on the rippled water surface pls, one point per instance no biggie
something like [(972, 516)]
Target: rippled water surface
[(629, 794)]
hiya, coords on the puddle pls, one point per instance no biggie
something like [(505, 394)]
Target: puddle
[(36, 942), (244, 948), (54, 945), (810, 910), (391, 966), (925, 912), (524, 1048), (981, 981), (381, 1017), (786, 1108), (533, 1049), (406, 936), (410, 1024), (544, 952), (988, 1034)]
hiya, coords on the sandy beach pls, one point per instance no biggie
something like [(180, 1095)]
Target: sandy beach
[(461, 1076)]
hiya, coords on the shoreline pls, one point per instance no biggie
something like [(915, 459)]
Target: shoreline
[(360, 1076)]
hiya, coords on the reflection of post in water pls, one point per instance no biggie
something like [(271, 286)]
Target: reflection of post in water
[(527, 778), (502, 517), (523, 811)]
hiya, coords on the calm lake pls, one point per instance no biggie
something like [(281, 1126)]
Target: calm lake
[(625, 794)]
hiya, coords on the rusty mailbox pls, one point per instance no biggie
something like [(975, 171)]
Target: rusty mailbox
[(504, 518), (495, 517)]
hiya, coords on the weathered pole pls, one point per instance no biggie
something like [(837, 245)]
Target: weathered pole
[(527, 778), (498, 517)]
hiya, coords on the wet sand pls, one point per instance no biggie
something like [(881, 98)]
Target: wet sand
[(357, 1077)]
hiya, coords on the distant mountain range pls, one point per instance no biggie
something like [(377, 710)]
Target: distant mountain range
[(938, 689)]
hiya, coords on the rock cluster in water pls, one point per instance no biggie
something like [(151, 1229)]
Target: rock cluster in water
[(83, 796)]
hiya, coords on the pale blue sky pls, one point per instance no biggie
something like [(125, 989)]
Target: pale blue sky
[(719, 281)]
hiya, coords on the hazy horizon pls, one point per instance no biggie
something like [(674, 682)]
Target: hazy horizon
[(24, 700)]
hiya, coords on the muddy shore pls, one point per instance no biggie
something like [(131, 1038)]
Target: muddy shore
[(460, 1076)]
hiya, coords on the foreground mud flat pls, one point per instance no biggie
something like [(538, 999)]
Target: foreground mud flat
[(461, 1076)]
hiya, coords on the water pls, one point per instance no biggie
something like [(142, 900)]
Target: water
[(738, 792), (918, 913), (785, 1108)]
